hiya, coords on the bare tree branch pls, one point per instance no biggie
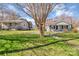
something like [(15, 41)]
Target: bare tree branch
[(39, 12)]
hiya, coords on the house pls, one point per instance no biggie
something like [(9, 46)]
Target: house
[(61, 23), (9, 20), (20, 24)]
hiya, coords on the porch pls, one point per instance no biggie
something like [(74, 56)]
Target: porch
[(60, 27)]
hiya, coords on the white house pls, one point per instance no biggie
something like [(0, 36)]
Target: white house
[(59, 24)]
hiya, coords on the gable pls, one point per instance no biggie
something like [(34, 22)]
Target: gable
[(62, 23)]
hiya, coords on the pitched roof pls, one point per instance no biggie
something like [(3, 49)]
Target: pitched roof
[(12, 21), (66, 19)]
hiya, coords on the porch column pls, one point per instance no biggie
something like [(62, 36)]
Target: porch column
[(69, 27), (55, 27), (0, 26), (59, 27)]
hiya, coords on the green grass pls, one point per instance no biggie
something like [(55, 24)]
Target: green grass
[(17, 40), (69, 35)]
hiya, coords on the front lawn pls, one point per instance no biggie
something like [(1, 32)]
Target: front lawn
[(29, 43)]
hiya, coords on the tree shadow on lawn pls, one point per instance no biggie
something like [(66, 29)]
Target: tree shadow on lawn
[(34, 47), (50, 35), (23, 37), (19, 37)]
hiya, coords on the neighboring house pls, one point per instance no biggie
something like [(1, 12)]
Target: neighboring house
[(9, 20), (61, 23), (15, 25)]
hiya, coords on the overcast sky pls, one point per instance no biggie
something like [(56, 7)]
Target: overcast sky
[(67, 9)]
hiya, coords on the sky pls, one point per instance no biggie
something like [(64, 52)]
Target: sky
[(69, 9)]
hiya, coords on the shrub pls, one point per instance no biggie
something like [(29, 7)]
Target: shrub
[(65, 30), (74, 30)]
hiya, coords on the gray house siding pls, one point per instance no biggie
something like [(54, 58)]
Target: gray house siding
[(14, 24)]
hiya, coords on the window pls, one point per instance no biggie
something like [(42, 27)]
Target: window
[(56, 27), (10, 24), (62, 26), (67, 26)]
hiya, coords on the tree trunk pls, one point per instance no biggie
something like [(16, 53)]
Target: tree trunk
[(41, 29)]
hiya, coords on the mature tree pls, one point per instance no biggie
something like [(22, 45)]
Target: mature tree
[(39, 12), (14, 15), (7, 14)]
